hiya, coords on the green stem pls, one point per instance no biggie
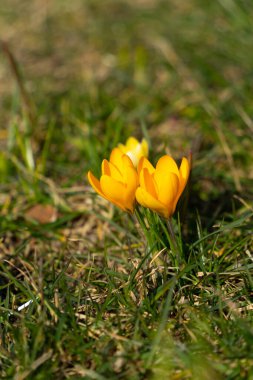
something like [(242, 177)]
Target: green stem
[(173, 241), (143, 226)]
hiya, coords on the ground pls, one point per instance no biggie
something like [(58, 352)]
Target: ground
[(76, 79)]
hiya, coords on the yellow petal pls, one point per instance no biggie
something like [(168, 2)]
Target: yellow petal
[(123, 148), (127, 161), (95, 183), (132, 183), (184, 172), (147, 182), (134, 149), (144, 147), (114, 191), (105, 167), (144, 163), (147, 200), (168, 185), (129, 204), (116, 159), (132, 180), (133, 157), (166, 164), (126, 164), (111, 170), (131, 143)]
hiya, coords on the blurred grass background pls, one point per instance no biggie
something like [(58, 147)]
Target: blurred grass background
[(77, 78)]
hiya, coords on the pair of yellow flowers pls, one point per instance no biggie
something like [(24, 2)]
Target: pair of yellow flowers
[(129, 176)]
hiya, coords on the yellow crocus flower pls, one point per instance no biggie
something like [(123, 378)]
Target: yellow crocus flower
[(135, 149), (161, 187), (118, 182)]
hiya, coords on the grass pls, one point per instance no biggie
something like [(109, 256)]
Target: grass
[(77, 78)]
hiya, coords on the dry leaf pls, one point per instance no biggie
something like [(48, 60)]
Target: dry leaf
[(42, 213)]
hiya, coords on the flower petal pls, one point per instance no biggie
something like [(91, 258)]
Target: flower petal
[(116, 159), (147, 182), (131, 143), (95, 183), (144, 147), (127, 161), (123, 148), (134, 149), (168, 185), (132, 182), (144, 163), (133, 157), (114, 191), (127, 164), (147, 200), (167, 164), (111, 170), (184, 172)]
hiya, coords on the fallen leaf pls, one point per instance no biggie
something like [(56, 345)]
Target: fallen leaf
[(42, 213)]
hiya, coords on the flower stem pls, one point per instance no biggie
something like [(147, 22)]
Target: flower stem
[(151, 242), (173, 241)]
